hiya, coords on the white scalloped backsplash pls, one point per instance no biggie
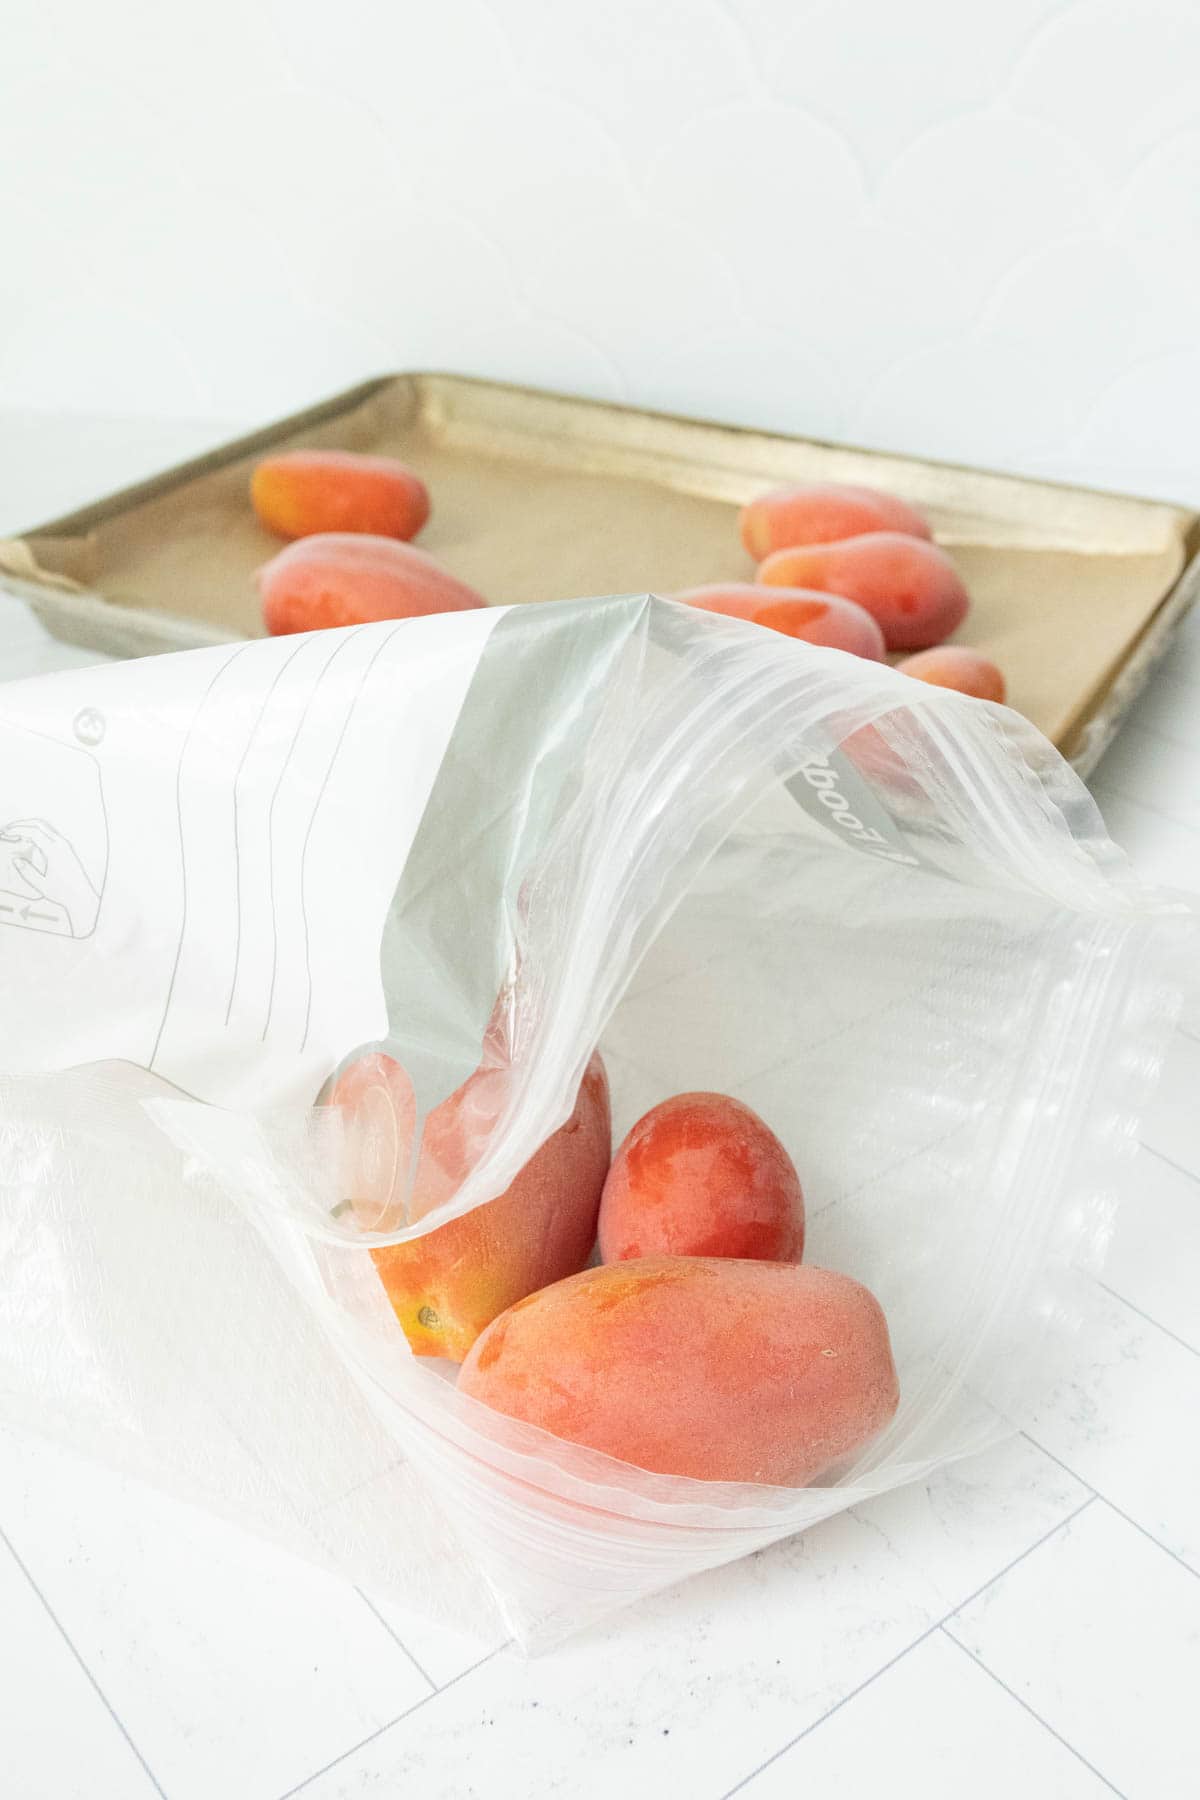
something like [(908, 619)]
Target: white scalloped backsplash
[(966, 229)]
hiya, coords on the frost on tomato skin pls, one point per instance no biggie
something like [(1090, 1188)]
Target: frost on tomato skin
[(803, 613), (702, 1175), (696, 1366), (347, 578), (823, 512), (301, 492), (911, 588), (957, 666)]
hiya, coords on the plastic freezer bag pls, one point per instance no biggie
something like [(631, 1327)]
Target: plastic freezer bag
[(885, 916)]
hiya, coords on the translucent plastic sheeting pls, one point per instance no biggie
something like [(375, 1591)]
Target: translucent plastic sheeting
[(886, 916)]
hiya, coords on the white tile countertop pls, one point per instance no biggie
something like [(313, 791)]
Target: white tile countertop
[(1026, 1622)]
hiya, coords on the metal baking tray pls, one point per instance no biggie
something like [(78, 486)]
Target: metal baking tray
[(540, 496)]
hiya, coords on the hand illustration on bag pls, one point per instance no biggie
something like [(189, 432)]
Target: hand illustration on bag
[(43, 884)]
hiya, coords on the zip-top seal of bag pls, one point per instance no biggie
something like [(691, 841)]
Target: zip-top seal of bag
[(881, 916)]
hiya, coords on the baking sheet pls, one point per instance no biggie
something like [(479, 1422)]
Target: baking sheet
[(541, 497)]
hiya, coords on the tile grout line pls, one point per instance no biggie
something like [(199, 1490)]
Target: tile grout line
[(828, 1714), (1162, 1156), (397, 1640), (900, 1654), (1032, 1711), (389, 1723), (1157, 1323), (1030, 1439), (1113, 1507), (95, 1685)]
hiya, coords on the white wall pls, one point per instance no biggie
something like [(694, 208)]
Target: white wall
[(968, 227)]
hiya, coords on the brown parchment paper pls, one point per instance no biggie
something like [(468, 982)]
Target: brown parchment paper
[(540, 497)]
